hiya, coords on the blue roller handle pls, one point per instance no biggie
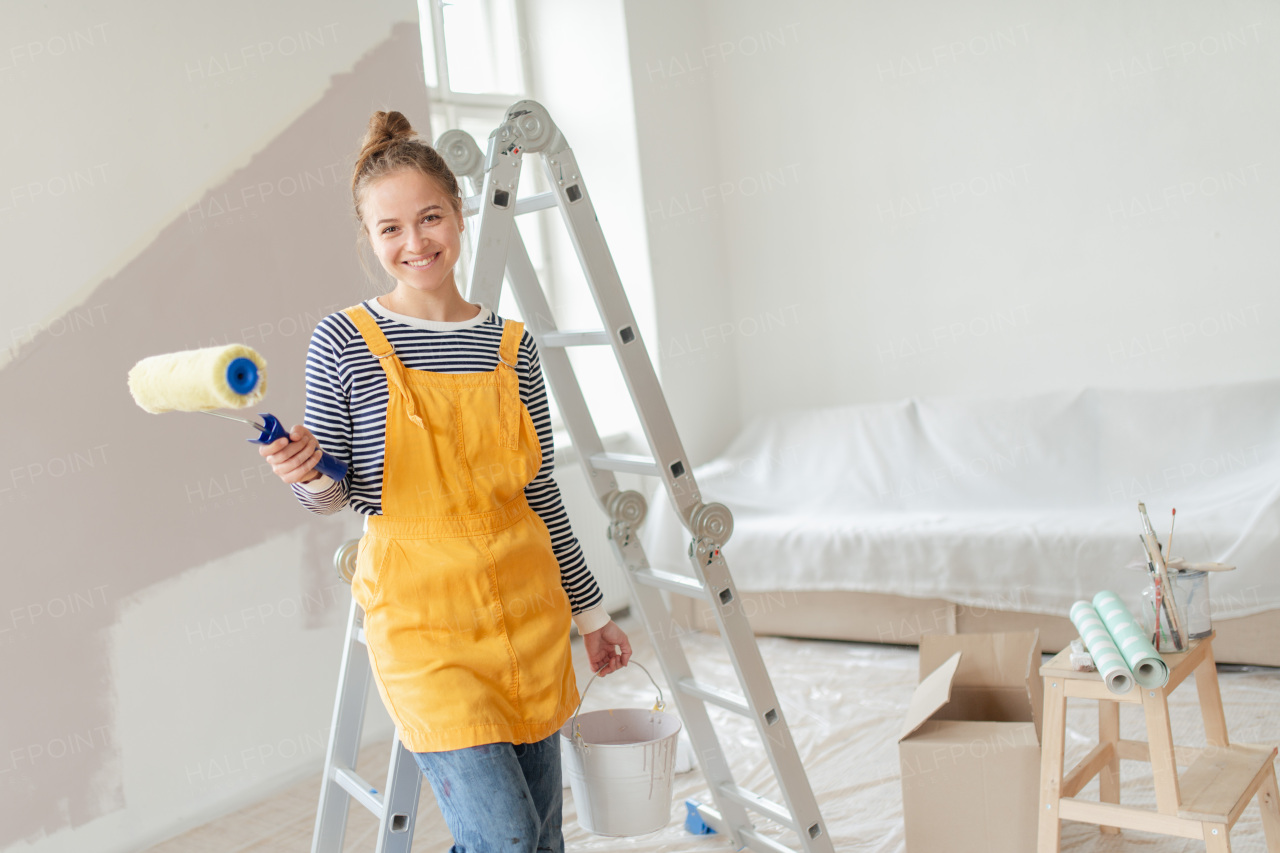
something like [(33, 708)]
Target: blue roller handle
[(274, 429)]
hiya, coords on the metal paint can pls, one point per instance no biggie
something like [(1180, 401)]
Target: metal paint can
[(1192, 591)]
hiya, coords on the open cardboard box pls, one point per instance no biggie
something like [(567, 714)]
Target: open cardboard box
[(970, 745)]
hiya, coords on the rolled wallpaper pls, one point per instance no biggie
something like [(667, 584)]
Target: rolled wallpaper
[(1106, 657), (1148, 668)]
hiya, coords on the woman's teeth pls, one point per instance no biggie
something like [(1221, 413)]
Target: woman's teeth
[(422, 264)]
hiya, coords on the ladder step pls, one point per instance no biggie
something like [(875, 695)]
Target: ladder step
[(360, 790), (670, 581), (716, 821), (626, 463), (764, 842), (360, 637), (541, 201), (1216, 782), (714, 695), (757, 803), (594, 337)]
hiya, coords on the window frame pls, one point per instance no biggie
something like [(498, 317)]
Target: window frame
[(442, 92), (490, 108)]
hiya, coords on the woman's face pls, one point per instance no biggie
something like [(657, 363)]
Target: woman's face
[(413, 230)]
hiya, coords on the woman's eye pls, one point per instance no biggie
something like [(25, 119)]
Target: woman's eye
[(388, 228), (430, 216)]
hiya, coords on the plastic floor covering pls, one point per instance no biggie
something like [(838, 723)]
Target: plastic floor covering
[(844, 703)]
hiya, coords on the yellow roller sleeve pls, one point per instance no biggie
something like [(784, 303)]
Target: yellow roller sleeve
[(227, 377)]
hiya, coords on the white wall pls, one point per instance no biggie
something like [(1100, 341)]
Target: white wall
[(680, 156), (868, 201)]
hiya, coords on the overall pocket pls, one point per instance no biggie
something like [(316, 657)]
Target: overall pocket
[(371, 557)]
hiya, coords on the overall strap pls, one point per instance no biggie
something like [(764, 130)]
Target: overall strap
[(386, 355), (509, 383)]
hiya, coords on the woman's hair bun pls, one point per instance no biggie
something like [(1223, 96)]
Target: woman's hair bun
[(391, 145), (384, 129)]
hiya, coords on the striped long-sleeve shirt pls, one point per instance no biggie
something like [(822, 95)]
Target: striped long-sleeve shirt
[(347, 406)]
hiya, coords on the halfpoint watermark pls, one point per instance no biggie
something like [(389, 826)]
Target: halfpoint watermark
[(55, 187), (721, 333), (59, 607), (724, 192), (76, 320), (54, 468), (27, 54), (941, 197), (73, 743), (949, 54), (224, 67), (1179, 334), (1181, 53), (715, 56), (1184, 192), (236, 205), (953, 333)]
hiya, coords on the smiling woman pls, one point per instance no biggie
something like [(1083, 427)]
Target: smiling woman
[(468, 574)]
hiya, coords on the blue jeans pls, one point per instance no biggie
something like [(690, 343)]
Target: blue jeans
[(499, 796)]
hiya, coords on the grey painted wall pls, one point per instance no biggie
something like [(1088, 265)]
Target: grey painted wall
[(168, 608)]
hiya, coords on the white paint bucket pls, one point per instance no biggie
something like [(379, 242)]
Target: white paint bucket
[(620, 764)]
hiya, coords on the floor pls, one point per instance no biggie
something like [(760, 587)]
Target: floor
[(844, 703)]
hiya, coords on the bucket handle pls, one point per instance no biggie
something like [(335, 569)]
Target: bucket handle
[(658, 704)]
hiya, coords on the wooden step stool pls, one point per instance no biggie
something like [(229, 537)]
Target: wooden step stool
[(1219, 782)]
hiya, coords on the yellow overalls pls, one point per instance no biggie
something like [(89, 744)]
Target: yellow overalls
[(466, 619)]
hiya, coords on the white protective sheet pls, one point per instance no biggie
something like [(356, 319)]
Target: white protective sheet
[(1015, 504), (844, 704)]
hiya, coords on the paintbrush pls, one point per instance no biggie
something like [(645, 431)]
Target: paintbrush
[(1152, 545)]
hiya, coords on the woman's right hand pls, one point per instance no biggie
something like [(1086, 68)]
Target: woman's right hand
[(293, 460)]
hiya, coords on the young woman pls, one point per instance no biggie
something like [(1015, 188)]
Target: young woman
[(468, 571)]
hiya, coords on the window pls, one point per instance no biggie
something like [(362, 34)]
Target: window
[(474, 64), (475, 67)]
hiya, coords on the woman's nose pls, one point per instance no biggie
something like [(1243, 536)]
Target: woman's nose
[(415, 239)]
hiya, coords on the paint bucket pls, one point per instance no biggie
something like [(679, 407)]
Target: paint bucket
[(620, 764)]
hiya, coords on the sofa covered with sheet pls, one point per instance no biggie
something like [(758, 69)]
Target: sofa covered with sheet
[(1020, 503)]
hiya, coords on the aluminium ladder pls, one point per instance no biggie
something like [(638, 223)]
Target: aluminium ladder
[(499, 249)]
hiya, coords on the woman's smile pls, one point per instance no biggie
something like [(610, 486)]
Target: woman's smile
[(422, 263)]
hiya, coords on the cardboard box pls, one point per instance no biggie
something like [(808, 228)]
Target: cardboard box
[(970, 745)]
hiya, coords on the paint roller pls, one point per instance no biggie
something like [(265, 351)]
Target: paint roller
[(230, 377)]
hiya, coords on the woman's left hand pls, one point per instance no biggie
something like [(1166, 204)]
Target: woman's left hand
[(600, 648)]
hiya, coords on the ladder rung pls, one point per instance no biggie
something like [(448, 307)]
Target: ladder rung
[(757, 803), (359, 789), (595, 337), (680, 584), (528, 204), (360, 637), (540, 201), (625, 462), (764, 842), (717, 822), (715, 695)]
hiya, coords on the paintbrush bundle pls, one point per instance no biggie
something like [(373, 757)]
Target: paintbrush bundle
[(1168, 633)]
